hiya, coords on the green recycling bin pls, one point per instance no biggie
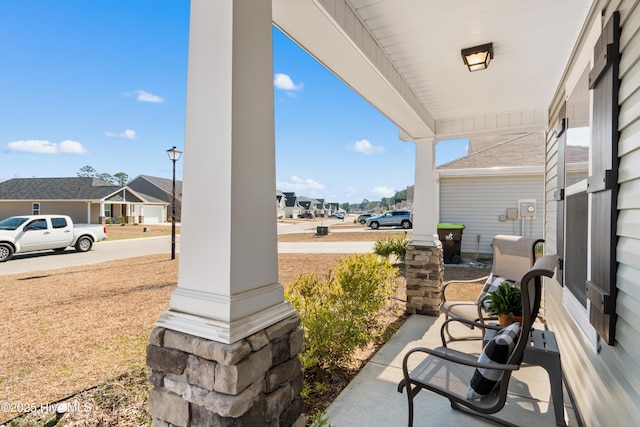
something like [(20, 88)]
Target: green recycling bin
[(451, 237)]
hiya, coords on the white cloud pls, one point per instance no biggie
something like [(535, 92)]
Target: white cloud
[(144, 96), (284, 82), (384, 191), (69, 146), (296, 183), (46, 147), (365, 147), (126, 134)]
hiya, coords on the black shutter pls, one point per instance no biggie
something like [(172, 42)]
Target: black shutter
[(558, 196), (603, 183)]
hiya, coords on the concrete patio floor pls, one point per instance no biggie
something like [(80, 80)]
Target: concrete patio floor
[(371, 399)]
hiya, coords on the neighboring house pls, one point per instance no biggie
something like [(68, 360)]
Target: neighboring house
[(281, 204), (487, 189), (160, 189), (308, 205), (292, 208), (84, 199)]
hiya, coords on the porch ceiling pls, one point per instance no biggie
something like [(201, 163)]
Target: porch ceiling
[(403, 56)]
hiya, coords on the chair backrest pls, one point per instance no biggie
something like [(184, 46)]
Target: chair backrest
[(531, 291), (513, 256)]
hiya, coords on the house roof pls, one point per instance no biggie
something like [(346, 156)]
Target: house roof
[(164, 184), (290, 199), (72, 188), (75, 188), (521, 150)]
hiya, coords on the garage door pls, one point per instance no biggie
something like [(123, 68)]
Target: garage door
[(153, 214)]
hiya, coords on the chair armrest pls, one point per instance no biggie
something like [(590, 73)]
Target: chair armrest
[(444, 285), (452, 358), (467, 322)]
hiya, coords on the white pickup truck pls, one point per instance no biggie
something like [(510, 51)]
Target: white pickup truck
[(30, 233)]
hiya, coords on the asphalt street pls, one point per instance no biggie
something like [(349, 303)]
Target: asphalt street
[(120, 249), (102, 251)]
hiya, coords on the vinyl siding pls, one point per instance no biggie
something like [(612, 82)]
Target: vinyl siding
[(478, 201), (76, 210), (606, 383)]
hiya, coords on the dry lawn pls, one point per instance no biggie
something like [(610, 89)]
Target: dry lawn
[(71, 329)]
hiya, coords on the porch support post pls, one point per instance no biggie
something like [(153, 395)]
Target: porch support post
[(101, 218), (226, 351), (424, 261)]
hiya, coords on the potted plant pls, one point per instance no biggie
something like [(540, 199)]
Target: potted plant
[(506, 303)]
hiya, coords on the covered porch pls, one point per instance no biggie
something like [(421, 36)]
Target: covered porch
[(405, 57), (372, 399)]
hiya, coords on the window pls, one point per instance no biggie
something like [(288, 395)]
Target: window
[(576, 171), (38, 224), (35, 208), (58, 222), (107, 210), (587, 191)]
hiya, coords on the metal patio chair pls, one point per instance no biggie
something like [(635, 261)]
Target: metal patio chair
[(512, 257), (449, 372)]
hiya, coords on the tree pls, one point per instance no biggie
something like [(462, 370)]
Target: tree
[(387, 202), (401, 195), (87, 171), (121, 178), (105, 177), (345, 207)]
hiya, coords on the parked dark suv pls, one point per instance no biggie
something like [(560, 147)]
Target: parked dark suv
[(362, 218), (392, 218)]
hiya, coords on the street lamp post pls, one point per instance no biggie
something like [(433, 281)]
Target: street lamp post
[(174, 156)]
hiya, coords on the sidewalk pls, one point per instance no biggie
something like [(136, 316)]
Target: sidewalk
[(372, 399), (325, 247)]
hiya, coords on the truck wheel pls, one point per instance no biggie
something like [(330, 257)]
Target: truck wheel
[(406, 224), (6, 252), (84, 244), (375, 225)]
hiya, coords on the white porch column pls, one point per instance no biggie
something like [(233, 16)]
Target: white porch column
[(228, 275), (425, 265), (101, 218), (425, 200)]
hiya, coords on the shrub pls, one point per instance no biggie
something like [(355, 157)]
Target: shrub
[(392, 246), (337, 312)]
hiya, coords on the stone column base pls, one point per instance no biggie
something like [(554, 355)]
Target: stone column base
[(253, 382), (425, 271)]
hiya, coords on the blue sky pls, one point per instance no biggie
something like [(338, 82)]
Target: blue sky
[(103, 83)]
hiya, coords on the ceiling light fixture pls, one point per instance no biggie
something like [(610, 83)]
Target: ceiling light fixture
[(478, 58)]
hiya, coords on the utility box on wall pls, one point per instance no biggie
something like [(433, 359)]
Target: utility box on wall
[(527, 209)]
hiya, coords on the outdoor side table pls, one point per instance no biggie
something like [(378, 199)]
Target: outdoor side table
[(543, 351)]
